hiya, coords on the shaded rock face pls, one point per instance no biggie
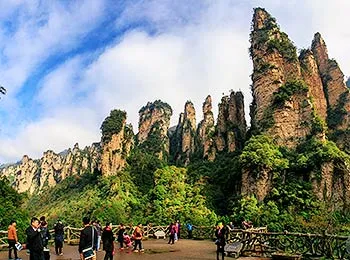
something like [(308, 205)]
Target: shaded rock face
[(116, 151), (259, 185), (153, 128), (184, 136), (336, 92), (275, 64), (331, 185), (33, 175), (312, 78), (206, 130), (231, 124)]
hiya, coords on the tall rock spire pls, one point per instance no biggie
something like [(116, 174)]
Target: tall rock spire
[(206, 130), (183, 140), (336, 92), (281, 103)]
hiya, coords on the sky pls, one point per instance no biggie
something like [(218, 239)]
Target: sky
[(67, 64)]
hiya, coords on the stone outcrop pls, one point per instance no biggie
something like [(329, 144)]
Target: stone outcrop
[(277, 72), (206, 131), (231, 123), (116, 150), (312, 78), (33, 175), (336, 92), (331, 185), (183, 140), (153, 128)]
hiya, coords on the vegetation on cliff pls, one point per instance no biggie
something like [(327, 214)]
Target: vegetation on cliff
[(113, 124), (11, 203)]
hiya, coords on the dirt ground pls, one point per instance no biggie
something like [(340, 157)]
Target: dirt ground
[(154, 249)]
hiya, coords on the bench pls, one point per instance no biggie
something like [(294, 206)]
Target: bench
[(233, 249), (159, 234)]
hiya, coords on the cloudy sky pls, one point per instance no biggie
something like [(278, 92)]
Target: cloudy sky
[(66, 64)]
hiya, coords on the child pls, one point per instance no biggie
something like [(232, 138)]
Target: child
[(127, 240)]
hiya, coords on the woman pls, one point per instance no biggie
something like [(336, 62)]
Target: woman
[(137, 235), (220, 240), (107, 240)]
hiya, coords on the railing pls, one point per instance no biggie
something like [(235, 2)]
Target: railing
[(266, 244), (255, 242)]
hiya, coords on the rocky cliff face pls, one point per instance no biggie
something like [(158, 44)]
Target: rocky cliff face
[(312, 78), (206, 131), (281, 107), (32, 175), (292, 100), (183, 140), (231, 124), (116, 150), (153, 128), (336, 92)]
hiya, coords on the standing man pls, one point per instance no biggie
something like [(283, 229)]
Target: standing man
[(59, 237), (12, 239), (34, 240), (220, 242), (88, 239), (189, 229)]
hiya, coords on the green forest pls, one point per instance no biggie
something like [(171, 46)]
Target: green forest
[(150, 190)]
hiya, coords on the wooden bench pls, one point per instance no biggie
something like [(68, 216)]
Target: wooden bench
[(159, 234), (233, 249)]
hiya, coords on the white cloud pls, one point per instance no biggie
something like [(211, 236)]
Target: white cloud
[(195, 52)]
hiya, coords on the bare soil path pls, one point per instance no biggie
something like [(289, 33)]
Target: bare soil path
[(154, 249)]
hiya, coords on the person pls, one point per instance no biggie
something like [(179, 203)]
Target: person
[(127, 240), (172, 232), (45, 235), (230, 226), (12, 239), (247, 224), (190, 230), (220, 240), (99, 233), (59, 237), (107, 240), (120, 234), (178, 227), (88, 238), (137, 235), (35, 240)]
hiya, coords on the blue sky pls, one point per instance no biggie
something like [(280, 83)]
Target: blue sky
[(66, 64)]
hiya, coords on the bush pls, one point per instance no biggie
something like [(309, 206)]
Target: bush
[(113, 124)]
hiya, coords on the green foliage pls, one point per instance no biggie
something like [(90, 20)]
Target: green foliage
[(173, 198), (141, 167), (261, 153), (158, 104), (270, 38), (112, 198), (286, 91), (221, 178), (112, 124), (11, 208), (313, 153)]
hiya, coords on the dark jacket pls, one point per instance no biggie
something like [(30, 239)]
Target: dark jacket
[(59, 232), (221, 236), (107, 239), (86, 238), (34, 240), (121, 235), (45, 235)]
